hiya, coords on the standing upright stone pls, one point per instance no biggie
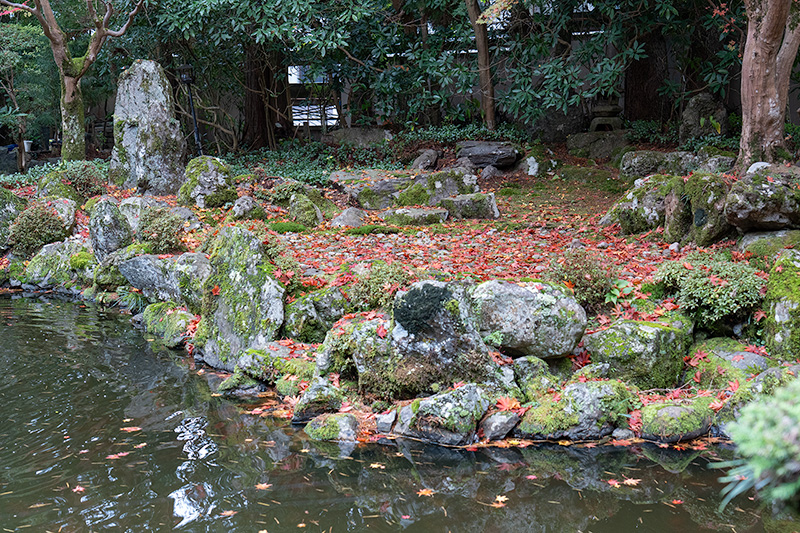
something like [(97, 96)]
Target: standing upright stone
[(148, 145)]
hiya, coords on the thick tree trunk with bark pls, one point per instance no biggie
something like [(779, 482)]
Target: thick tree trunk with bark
[(484, 63), (773, 35), (256, 125), (73, 133)]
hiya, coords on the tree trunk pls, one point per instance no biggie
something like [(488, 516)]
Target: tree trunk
[(73, 139), (643, 78), (484, 64), (769, 54), (256, 126)]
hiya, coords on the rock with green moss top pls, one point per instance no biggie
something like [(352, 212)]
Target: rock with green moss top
[(485, 153), (376, 283), (61, 263), (694, 210), (303, 211), (333, 427), (646, 354), (768, 244), (11, 206), (677, 421), (538, 319), (53, 185), (582, 411), (246, 208), (179, 279), (240, 384), (450, 418), (534, 377), (242, 302), (782, 304), (107, 275), (309, 317), (714, 363), (319, 398), (108, 228), (414, 216), (208, 183), (765, 200), (277, 361), (471, 206), (149, 147), (772, 378), (168, 321), (640, 163), (642, 208)]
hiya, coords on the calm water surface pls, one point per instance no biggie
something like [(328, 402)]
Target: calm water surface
[(72, 377)]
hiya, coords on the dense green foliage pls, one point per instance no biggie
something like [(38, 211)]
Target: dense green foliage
[(589, 277), (36, 226), (711, 287), (161, 230), (766, 435)]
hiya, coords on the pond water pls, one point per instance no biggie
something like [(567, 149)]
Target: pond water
[(88, 442)]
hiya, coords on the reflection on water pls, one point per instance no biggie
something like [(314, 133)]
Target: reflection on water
[(103, 432)]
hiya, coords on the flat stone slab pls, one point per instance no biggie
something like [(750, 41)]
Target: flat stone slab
[(414, 216)]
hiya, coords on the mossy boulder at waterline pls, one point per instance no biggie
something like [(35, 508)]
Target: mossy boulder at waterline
[(178, 279), (278, 361), (782, 304), (537, 318), (583, 410), (149, 147), (243, 303), (646, 354), (533, 377), (309, 317), (677, 420), (208, 183), (11, 206), (450, 418), (319, 398), (716, 362), (333, 427), (169, 321), (108, 228), (61, 263)]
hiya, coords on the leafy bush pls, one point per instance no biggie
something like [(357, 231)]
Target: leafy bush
[(710, 287), (376, 288), (452, 133), (34, 227), (586, 274), (161, 230), (766, 435), (287, 227), (85, 177), (652, 132), (715, 140)]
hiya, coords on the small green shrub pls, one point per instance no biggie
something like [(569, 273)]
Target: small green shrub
[(589, 276), (767, 437), (652, 132), (376, 288), (711, 288), (34, 227), (161, 230), (371, 228), (83, 176), (287, 227)]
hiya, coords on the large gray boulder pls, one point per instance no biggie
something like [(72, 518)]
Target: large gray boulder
[(243, 303), (477, 205), (179, 279), (702, 116), (450, 418), (208, 183), (352, 217), (646, 354), (134, 208), (643, 207), (148, 144), (108, 228), (426, 160), (414, 216), (61, 263), (319, 398), (583, 410), (537, 319), (11, 206), (485, 153), (765, 200), (677, 421)]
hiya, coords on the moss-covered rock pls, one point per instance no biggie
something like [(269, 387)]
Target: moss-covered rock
[(168, 321), (471, 206), (333, 427), (643, 207), (767, 245), (11, 206), (782, 302), (242, 303), (414, 216), (208, 183), (533, 377), (303, 211), (75, 180), (271, 364), (61, 263), (583, 410), (449, 418), (676, 421), (714, 363), (108, 228), (646, 354), (318, 399), (309, 317), (694, 209)]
